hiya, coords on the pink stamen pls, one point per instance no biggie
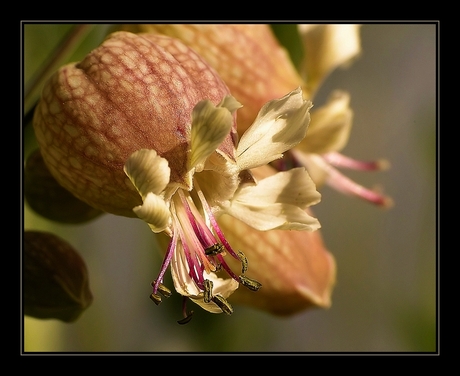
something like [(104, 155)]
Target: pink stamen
[(203, 232), (190, 216), (340, 160), (193, 264), (214, 223), (340, 182), (347, 186), (167, 259), (227, 268), (190, 254), (196, 233)]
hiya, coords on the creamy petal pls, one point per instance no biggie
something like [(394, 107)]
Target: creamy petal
[(294, 187), (326, 48), (273, 216), (183, 283), (155, 211), (314, 164), (330, 126), (221, 286), (147, 171), (210, 126), (277, 202), (185, 286), (216, 187), (280, 125)]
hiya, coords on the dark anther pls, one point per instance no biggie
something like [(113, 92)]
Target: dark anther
[(218, 267), (162, 289), (207, 290), (223, 304), (214, 249), (186, 319), (251, 284), (244, 262), (155, 298)]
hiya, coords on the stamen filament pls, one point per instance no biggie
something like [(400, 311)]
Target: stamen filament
[(191, 260), (341, 183), (187, 316), (347, 186), (207, 238), (214, 223), (227, 268), (340, 160), (167, 259), (190, 235), (190, 216)]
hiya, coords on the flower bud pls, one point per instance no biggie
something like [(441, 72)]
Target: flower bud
[(132, 92), (249, 59), (295, 269), (55, 278), (49, 199)]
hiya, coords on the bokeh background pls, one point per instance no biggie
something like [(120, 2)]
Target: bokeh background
[(385, 299)]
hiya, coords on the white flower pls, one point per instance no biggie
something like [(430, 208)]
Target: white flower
[(220, 182)]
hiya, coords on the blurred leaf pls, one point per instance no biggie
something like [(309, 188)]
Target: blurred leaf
[(289, 37), (49, 199), (419, 330), (55, 278)]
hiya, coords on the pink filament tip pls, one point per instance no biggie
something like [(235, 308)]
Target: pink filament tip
[(340, 160)]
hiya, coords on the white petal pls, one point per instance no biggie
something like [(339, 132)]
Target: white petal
[(294, 187), (219, 179), (223, 287), (326, 48), (315, 165), (185, 285), (273, 216), (330, 125), (155, 212), (280, 125), (278, 201), (147, 171), (210, 126)]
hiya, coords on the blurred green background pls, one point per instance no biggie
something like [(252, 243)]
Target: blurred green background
[(385, 299)]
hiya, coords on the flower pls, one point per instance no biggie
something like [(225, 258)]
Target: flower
[(256, 69), (144, 127), (187, 213)]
